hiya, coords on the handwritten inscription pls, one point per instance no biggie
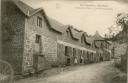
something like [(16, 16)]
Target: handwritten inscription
[(86, 5), (93, 6)]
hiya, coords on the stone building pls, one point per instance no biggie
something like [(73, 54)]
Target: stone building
[(33, 42), (102, 47), (30, 37), (74, 47)]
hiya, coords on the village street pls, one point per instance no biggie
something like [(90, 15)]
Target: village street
[(63, 41), (102, 72)]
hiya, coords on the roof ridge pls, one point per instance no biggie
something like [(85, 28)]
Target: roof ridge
[(26, 4), (97, 36), (25, 8)]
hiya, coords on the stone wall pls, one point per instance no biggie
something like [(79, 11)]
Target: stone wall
[(124, 62), (120, 49), (13, 35), (48, 44), (50, 49), (28, 51), (62, 59)]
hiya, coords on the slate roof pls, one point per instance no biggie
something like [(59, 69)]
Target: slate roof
[(89, 39), (23, 7), (57, 25), (98, 44), (29, 11), (75, 34), (83, 33), (26, 9)]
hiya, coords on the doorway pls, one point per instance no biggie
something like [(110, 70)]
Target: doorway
[(37, 52)]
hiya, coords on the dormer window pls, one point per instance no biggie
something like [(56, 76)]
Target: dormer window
[(39, 21)]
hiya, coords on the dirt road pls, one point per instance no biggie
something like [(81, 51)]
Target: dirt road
[(95, 73)]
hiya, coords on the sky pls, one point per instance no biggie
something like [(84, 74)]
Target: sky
[(89, 16)]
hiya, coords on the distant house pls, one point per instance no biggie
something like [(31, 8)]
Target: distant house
[(99, 41), (103, 46), (74, 46)]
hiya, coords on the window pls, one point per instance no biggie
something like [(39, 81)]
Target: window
[(88, 55), (39, 21), (74, 52), (38, 38), (66, 51)]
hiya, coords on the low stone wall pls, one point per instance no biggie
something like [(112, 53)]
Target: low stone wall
[(124, 61), (120, 49), (121, 52)]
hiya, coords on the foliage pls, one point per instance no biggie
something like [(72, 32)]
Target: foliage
[(119, 31), (122, 20)]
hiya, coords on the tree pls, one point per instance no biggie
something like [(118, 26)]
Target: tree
[(120, 29), (113, 31), (122, 20)]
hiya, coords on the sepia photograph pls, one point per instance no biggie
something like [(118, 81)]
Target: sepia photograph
[(63, 41)]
